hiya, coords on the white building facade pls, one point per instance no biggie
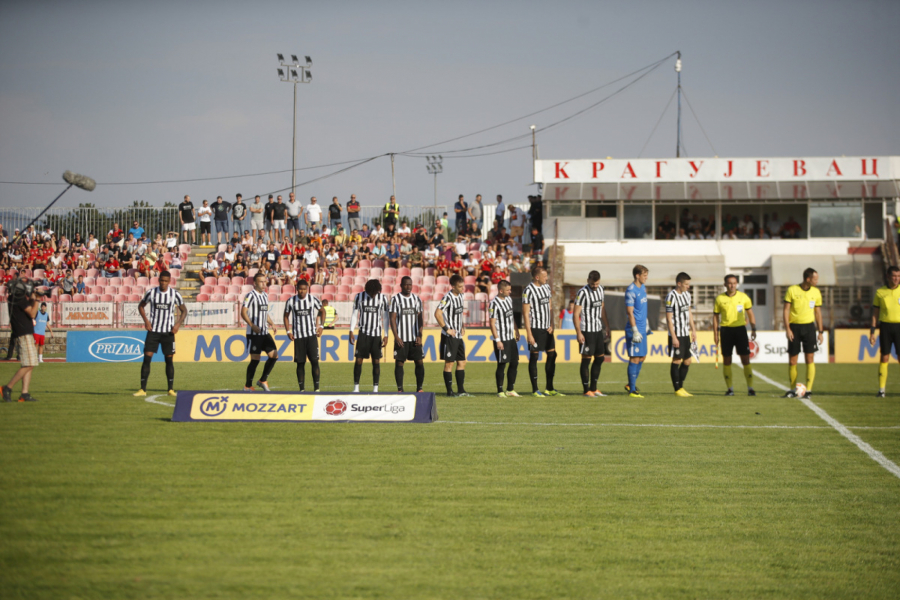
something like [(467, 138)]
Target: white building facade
[(762, 219)]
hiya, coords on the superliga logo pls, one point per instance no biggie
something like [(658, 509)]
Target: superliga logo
[(335, 408)]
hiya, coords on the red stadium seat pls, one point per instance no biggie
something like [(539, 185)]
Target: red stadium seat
[(289, 289), (144, 281), (273, 297), (327, 296), (202, 297), (344, 289), (359, 280), (357, 289), (221, 289), (134, 298), (246, 289), (210, 281), (92, 272), (274, 289), (121, 298), (231, 297), (364, 264), (376, 272), (92, 298), (107, 298), (340, 297), (237, 281), (348, 273), (78, 298), (284, 297), (217, 298), (223, 281), (329, 289)]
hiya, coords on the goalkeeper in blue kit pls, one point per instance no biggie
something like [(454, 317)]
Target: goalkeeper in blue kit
[(636, 329)]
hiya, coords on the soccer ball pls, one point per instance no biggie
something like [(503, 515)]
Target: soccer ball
[(800, 390)]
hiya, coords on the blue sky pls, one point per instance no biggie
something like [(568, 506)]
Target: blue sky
[(138, 91)]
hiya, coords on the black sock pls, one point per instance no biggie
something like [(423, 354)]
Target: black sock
[(301, 376), (511, 373), (595, 371), (499, 376), (398, 374), (357, 373), (550, 369), (585, 369), (673, 373), (170, 372), (682, 373), (448, 381), (376, 372), (270, 364), (251, 371), (314, 367), (532, 370), (420, 375), (145, 371), (460, 380)]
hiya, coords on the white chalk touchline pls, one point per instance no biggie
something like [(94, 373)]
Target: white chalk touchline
[(154, 400), (874, 454), (661, 425)]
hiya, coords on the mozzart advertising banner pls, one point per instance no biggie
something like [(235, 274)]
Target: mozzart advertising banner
[(304, 407), (852, 346), (227, 345)]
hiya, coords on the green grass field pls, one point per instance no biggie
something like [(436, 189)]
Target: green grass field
[(704, 497)]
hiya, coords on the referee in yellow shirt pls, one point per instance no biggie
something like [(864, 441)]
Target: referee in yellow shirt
[(732, 311), (886, 308), (803, 325)]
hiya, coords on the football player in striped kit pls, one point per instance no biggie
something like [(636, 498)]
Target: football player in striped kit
[(407, 321), (255, 312), (308, 316), (680, 321), (449, 315), (161, 328), (592, 328), (505, 335), (536, 311), (370, 313)]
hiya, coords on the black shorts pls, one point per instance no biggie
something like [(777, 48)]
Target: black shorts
[(544, 341), (306, 347), (890, 336), (509, 353), (734, 339), (260, 344), (452, 349), (409, 351), (594, 344), (804, 334), (155, 340), (683, 351), (368, 346), (205, 226)]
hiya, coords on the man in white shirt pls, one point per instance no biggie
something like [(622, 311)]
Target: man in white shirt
[(377, 233), (462, 246), (293, 216), (470, 265), (431, 255), (205, 213), (313, 214), (500, 211), (211, 267), (311, 258)]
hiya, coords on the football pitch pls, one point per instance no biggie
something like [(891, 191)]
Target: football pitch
[(665, 497)]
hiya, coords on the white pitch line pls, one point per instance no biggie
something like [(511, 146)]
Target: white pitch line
[(874, 454), (154, 400), (663, 425)]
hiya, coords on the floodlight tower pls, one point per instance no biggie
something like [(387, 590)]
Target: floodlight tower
[(435, 166), (294, 72)]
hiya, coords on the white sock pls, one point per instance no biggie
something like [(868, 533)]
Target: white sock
[(356, 388), (375, 388)]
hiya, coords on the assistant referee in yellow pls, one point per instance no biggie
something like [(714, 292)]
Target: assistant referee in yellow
[(732, 311), (803, 326), (886, 308)]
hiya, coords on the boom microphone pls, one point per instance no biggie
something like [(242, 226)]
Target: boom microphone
[(82, 181)]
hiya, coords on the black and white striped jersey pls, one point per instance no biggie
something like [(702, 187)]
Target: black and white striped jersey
[(371, 313), (452, 308), (303, 312), (257, 305), (538, 298), (501, 310), (591, 303), (408, 310), (162, 308), (679, 306)]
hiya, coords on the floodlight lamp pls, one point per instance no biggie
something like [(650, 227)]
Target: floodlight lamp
[(532, 127), (678, 66), (309, 75), (294, 59), (440, 157), (308, 61), (281, 57), (281, 72), (294, 74)]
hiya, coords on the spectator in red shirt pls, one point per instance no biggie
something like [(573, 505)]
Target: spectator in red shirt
[(442, 267), (456, 266), (116, 236), (111, 267)]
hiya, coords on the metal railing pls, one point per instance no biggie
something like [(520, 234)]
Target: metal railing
[(69, 221)]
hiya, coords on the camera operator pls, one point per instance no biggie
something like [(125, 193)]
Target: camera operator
[(24, 301)]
